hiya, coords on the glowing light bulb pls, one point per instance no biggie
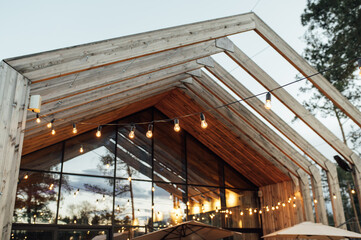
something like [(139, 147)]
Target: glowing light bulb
[(118, 208), (74, 129), (99, 133), (132, 132), (50, 124), (149, 133), (268, 101), (51, 186), (129, 178), (176, 125), (260, 212), (359, 65), (107, 165), (26, 176), (171, 196), (279, 203), (315, 201), (334, 196), (353, 191), (255, 210), (38, 118), (81, 149), (204, 124), (294, 205), (277, 207), (273, 208), (242, 213), (103, 197), (153, 189), (53, 131), (283, 204), (294, 197), (97, 201)]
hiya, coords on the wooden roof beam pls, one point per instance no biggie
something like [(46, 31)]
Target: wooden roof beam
[(74, 59), (302, 65)]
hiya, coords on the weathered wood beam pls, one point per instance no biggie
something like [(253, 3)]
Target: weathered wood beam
[(74, 114), (255, 123), (319, 200), (64, 61), (231, 119), (306, 196), (108, 90), (242, 92), (305, 68), (61, 87), (14, 98)]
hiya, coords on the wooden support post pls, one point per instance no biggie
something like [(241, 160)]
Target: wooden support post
[(335, 195), (319, 200), (356, 175), (298, 213), (14, 97), (306, 196)]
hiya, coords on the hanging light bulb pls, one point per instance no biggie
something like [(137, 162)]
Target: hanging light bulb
[(315, 201), (74, 129), (283, 204), (204, 124), (129, 178), (53, 131), (260, 211), (81, 149), (132, 132), (97, 201), (149, 133), (359, 65), (107, 165), (118, 208), (268, 101), (242, 213), (153, 189), (50, 124), (26, 176), (353, 191), (171, 196), (294, 204), (176, 125), (103, 197), (99, 133), (51, 186), (38, 118), (334, 196)]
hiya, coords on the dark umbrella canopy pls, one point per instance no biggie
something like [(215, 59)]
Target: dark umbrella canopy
[(191, 230)]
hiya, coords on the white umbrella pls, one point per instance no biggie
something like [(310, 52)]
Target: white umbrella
[(313, 231), (116, 236), (191, 230)]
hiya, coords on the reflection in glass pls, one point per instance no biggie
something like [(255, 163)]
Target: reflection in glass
[(132, 202), (169, 206), (86, 200), (244, 204), (204, 205), (98, 153), (31, 235), (202, 164), (47, 159), (168, 152), (36, 197)]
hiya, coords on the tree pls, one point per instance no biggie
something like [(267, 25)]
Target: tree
[(334, 43)]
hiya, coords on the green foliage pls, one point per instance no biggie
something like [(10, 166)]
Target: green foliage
[(334, 43)]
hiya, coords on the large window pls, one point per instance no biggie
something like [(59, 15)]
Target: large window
[(129, 186)]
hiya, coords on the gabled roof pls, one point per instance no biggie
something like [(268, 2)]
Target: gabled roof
[(104, 81)]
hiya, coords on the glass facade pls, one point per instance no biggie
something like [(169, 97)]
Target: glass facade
[(88, 186)]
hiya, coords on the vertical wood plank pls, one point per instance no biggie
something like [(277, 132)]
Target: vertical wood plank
[(14, 102)]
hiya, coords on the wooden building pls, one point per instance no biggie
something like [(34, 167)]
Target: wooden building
[(238, 173)]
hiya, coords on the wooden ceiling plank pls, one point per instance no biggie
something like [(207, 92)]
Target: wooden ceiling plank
[(277, 122), (306, 69), (255, 123), (290, 102), (70, 115), (243, 130), (83, 113), (213, 139), (33, 143), (77, 58)]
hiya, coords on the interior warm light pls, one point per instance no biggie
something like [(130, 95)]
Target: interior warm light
[(74, 129), (176, 125), (149, 133), (38, 118), (99, 133), (81, 150), (204, 124), (132, 132), (268, 101)]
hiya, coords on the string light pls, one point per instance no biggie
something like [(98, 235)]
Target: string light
[(283, 204), (51, 186), (118, 208), (149, 133), (171, 197), (132, 132), (359, 65), (176, 125), (315, 200), (204, 124), (81, 149), (334, 196), (294, 205), (268, 101), (153, 189), (99, 133), (242, 213), (50, 124), (129, 178), (74, 129), (38, 118), (26, 176), (103, 197), (53, 131), (353, 191)]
